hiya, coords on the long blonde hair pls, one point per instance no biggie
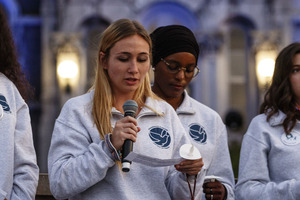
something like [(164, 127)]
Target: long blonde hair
[(103, 98)]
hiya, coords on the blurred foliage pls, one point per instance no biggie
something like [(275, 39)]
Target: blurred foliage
[(234, 150)]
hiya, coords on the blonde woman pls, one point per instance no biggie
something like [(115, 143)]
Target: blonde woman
[(84, 158)]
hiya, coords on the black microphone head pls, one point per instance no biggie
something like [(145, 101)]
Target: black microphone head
[(130, 108)]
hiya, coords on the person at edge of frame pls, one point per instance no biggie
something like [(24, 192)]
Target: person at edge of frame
[(19, 172), (269, 158)]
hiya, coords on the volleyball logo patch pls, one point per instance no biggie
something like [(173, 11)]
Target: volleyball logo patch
[(293, 138), (4, 104), (198, 133), (160, 137)]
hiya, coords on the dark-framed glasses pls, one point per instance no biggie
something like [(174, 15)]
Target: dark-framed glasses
[(189, 71)]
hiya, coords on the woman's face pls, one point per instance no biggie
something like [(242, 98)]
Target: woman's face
[(170, 85), (295, 78), (127, 65)]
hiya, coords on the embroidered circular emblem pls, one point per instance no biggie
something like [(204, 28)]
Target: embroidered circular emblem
[(1, 112), (4, 104), (293, 138), (160, 137), (198, 133)]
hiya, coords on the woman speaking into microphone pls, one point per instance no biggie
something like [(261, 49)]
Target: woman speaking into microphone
[(84, 156)]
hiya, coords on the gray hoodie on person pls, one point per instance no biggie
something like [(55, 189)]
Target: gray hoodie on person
[(18, 171), (81, 166), (269, 161)]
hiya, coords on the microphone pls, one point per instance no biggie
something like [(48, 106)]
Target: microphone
[(130, 108)]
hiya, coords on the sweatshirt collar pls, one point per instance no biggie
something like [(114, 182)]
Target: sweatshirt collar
[(186, 105), (277, 119), (151, 103), (154, 104)]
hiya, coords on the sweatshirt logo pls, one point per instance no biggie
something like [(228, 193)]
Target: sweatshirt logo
[(1, 112), (160, 137), (293, 138), (4, 104), (198, 133)]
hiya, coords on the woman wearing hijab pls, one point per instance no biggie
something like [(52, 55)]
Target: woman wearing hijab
[(175, 55)]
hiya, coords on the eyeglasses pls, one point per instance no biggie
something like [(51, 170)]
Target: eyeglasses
[(190, 71)]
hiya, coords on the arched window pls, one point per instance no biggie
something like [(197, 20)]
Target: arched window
[(92, 29), (242, 85), (166, 13)]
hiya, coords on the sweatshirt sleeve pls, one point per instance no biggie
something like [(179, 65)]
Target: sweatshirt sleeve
[(75, 162), (254, 181), (26, 171), (221, 162)]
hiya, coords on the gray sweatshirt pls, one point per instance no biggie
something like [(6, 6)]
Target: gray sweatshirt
[(209, 135), (18, 171), (269, 161), (81, 166)]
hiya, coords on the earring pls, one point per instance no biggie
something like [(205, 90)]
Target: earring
[(153, 68)]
